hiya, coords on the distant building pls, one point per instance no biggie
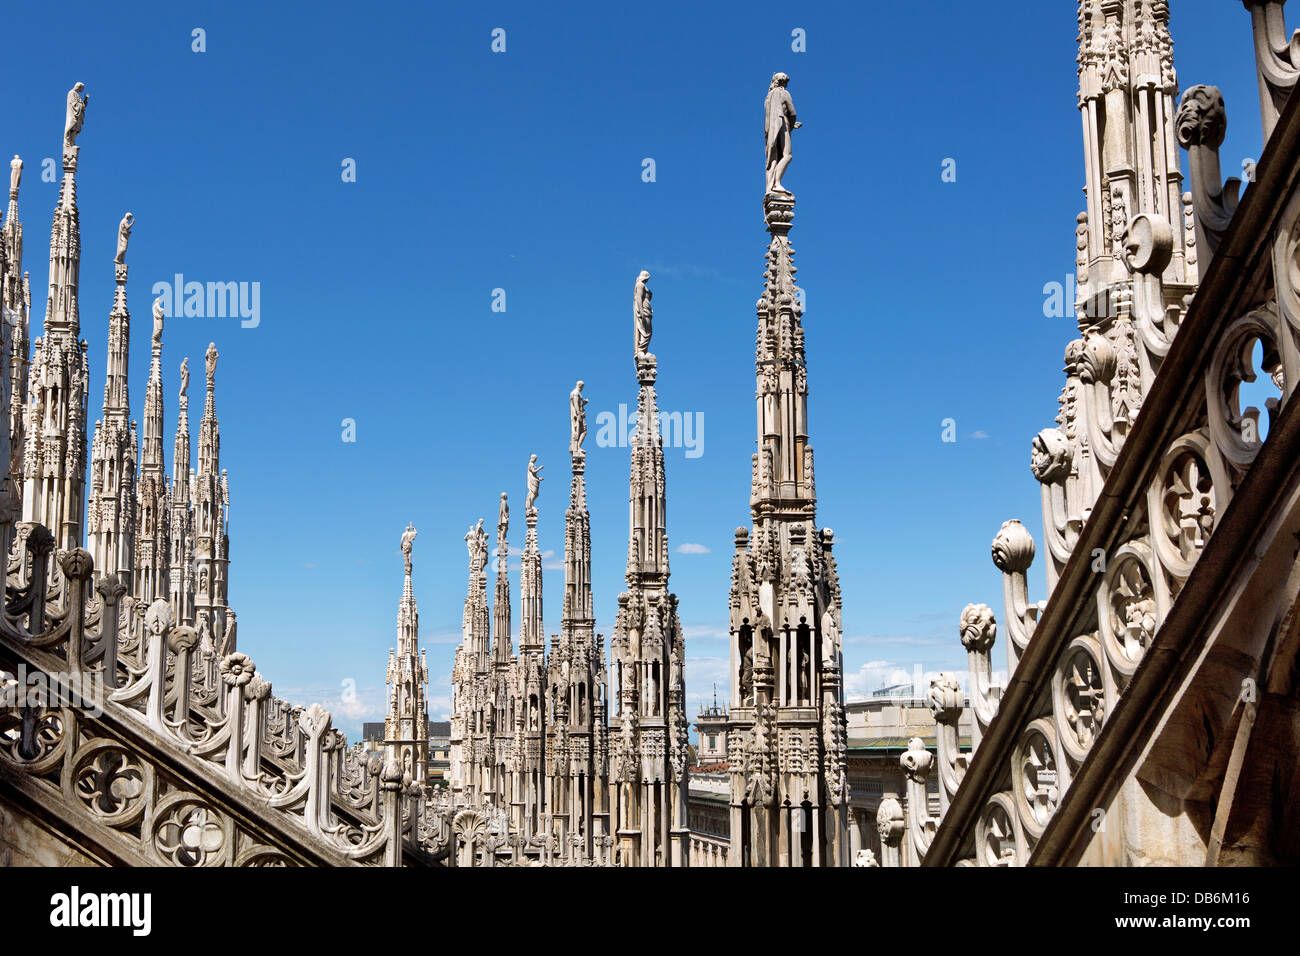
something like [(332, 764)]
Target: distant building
[(372, 741), (711, 725), (879, 729)]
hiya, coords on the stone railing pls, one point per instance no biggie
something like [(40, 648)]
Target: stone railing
[(1147, 533), (120, 731), (708, 850), (483, 836)]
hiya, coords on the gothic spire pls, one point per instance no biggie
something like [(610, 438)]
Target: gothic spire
[(15, 295), (577, 729), (61, 313), (113, 451), (530, 587), (502, 640), (211, 504), (153, 524), (477, 635), (180, 509), (406, 727), (151, 458), (785, 599), (181, 445), (649, 729), (54, 459), (577, 610)]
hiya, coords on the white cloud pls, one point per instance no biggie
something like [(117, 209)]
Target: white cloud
[(346, 702), (873, 675), (701, 674), (689, 547), (705, 632)]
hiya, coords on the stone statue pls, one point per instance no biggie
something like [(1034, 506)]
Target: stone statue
[(503, 516), (157, 322), (472, 541), (15, 176), (830, 639), (747, 676), (577, 419), (778, 122), (185, 365), (123, 237), (534, 482), (408, 538), (642, 314), (478, 549), (76, 115), (210, 360)]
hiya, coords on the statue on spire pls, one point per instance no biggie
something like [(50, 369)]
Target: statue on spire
[(15, 176), (123, 237), (185, 362), (503, 524), (408, 536), (534, 482), (778, 122), (577, 419), (476, 542), (158, 327), (642, 314), (210, 361), (76, 115)]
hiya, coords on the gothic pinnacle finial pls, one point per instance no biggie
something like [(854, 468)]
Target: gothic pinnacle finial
[(157, 325), (408, 538), (76, 115), (577, 420), (15, 176), (534, 484), (123, 237), (779, 121), (210, 363), (642, 317)]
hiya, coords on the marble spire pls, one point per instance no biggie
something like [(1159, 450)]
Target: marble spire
[(788, 801), (54, 459), (211, 503), (649, 728), (577, 731), (406, 725), (502, 640), (153, 522), (15, 302), (180, 510), (111, 514)]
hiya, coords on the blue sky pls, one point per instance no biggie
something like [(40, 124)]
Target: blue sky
[(522, 171)]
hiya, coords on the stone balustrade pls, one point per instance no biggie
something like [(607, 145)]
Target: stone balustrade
[(140, 744), (708, 850)]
